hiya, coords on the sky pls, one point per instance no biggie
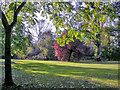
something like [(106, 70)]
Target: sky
[(35, 32)]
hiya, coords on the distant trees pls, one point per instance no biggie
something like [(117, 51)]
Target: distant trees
[(110, 45), (2, 42), (32, 52), (42, 40), (64, 52), (43, 48), (45, 45)]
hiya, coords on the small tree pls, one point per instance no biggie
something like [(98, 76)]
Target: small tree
[(45, 44), (64, 52)]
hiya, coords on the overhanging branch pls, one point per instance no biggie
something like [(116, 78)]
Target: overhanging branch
[(16, 13), (4, 19)]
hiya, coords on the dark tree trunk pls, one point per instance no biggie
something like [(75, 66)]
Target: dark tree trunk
[(98, 47), (119, 30), (98, 59), (70, 55), (109, 44), (8, 71)]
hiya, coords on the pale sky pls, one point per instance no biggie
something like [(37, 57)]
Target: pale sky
[(35, 29)]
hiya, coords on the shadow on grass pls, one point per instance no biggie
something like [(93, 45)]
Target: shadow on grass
[(100, 62), (69, 71), (51, 71)]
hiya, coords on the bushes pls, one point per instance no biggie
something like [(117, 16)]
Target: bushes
[(111, 54)]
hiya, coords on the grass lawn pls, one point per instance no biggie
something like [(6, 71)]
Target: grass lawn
[(57, 74)]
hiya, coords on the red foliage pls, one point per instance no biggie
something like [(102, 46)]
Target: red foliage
[(61, 52), (64, 53)]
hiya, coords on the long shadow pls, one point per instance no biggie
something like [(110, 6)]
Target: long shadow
[(70, 70), (59, 70)]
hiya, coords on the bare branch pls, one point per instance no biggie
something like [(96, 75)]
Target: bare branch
[(15, 6)]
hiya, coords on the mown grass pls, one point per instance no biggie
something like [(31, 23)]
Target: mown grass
[(57, 74)]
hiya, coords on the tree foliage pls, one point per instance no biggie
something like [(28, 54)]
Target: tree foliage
[(21, 37), (45, 45), (64, 52), (82, 21)]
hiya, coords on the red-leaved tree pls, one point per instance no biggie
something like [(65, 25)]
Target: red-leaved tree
[(64, 53)]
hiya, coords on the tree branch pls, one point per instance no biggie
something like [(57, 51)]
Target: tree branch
[(15, 6), (16, 13), (4, 19)]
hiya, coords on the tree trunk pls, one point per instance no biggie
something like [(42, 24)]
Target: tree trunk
[(98, 47), (8, 71), (69, 55), (98, 36), (119, 30), (109, 45)]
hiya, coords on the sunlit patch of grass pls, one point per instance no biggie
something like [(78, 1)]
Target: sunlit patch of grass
[(40, 72), (65, 74), (102, 66)]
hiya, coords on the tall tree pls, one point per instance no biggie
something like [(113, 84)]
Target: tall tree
[(9, 15), (116, 7), (8, 30), (94, 16)]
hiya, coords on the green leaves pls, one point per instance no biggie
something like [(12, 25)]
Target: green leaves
[(11, 6), (77, 35), (93, 16)]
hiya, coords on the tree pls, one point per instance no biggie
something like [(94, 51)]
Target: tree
[(45, 44), (1, 41), (8, 30), (116, 9), (91, 18), (9, 15), (42, 39), (43, 47), (110, 45), (9, 19), (64, 52), (94, 19)]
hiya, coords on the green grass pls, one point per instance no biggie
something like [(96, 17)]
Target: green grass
[(57, 74)]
